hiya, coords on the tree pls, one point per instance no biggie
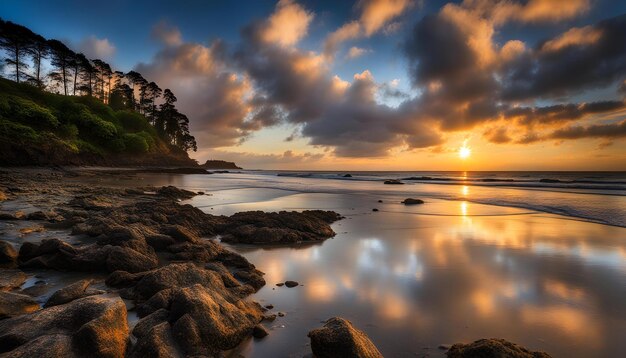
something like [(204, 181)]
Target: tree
[(151, 92), (38, 50), (78, 62), (88, 75), (121, 97), (15, 39), (61, 59), (104, 76), (135, 79), (167, 121)]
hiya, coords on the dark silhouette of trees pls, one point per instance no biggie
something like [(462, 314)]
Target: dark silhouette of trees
[(38, 50), (62, 60), (15, 39), (93, 78)]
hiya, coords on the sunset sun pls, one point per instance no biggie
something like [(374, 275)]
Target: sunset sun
[(464, 151)]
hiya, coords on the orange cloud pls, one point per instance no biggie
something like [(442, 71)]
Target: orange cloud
[(576, 36), (287, 25)]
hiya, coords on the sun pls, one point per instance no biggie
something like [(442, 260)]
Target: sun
[(464, 151)]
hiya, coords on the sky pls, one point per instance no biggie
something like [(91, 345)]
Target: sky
[(372, 84)]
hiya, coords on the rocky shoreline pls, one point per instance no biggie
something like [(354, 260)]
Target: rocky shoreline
[(142, 252)]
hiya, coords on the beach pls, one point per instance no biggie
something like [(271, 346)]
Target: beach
[(416, 278)]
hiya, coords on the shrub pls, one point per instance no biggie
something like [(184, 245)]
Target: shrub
[(148, 138), (135, 143), (68, 131), (17, 132), (132, 121), (26, 111), (94, 126)]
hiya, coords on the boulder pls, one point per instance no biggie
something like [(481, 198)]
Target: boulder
[(259, 331), (93, 326), (338, 338), (411, 201), (176, 276), (291, 283), (393, 182), (173, 192), (492, 348), (158, 342), (10, 279), (261, 228), (8, 255), (69, 293), (15, 304)]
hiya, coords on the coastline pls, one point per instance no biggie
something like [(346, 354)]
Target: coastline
[(226, 195)]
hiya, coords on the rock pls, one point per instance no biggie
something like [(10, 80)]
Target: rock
[(124, 279), (18, 215), (176, 276), (411, 201), (547, 180), (291, 283), (69, 293), (10, 279), (269, 307), (8, 255), (206, 320), (338, 338), (492, 348), (380, 201), (173, 192), (93, 326), (14, 304), (143, 327), (127, 259), (269, 317), (280, 284), (281, 314), (374, 210), (158, 342), (3, 196), (347, 176), (257, 227), (259, 331), (393, 182)]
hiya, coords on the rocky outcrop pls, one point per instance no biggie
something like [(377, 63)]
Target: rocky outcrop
[(8, 255), (70, 293), (393, 182), (220, 164), (492, 348), (190, 310), (261, 228), (15, 304), (338, 338), (10, 279), (93, 326)]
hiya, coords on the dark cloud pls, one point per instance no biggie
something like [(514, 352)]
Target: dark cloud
[(614, 130), (573, 67)]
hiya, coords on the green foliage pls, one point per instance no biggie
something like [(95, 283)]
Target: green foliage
[(135, 143), (92, 126), (132, 121), (68, 131), (26, 111), (149, 139), (16, 131)]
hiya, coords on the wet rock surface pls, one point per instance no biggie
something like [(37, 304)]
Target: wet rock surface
[(94, 326), (492, 348), (15, 304), (338, 338), (72, 292)]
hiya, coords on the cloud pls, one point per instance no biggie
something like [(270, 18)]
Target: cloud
[(531, 11), (287, 25), (355, 52), (167, 34), (613, 130), (375, 15), (96, 48)]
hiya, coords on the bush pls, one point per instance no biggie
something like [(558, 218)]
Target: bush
[(132, 121), (26, 111), (94, 126), (149, 139), (68, 131), (135, 143), (17, 132)]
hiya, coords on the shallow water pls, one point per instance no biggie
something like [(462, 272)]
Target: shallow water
[(416, 277), (451, 270)]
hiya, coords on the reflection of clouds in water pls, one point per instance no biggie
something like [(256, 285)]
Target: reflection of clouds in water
[(569, 321)]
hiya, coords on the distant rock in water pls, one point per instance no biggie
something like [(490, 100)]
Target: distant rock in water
[(338, 338), (549, 181), (492, 348), (347, 176), (291, 283), (393, 182), (220, 164), (411, 201)]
